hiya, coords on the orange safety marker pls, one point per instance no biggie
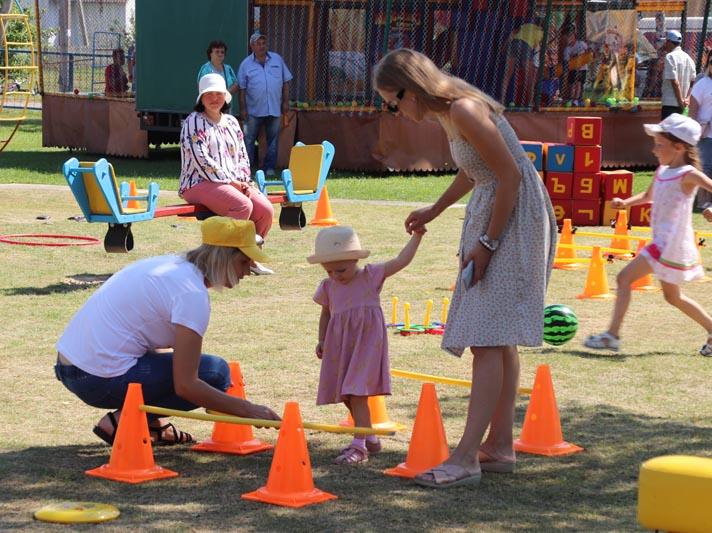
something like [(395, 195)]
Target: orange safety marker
[(132, 456), (233, 438), (379, 416), (596, 282), (323, 215), (562, 252), (647, 282), (290, 482), (428, 444), (621, 230), (541, 432), (132, 204)]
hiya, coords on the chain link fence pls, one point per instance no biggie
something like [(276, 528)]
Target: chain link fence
[(524, 53)]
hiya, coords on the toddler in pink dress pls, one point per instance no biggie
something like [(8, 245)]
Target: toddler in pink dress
[(353, 344), (672, 255)]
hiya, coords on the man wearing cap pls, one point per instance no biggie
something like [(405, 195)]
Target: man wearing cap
[(263, 78), (678, 75), (146, 325)]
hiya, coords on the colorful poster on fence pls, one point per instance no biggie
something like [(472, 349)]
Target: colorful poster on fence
[(611, 35)]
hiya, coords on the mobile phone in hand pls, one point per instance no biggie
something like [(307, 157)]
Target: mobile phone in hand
[(467, 274)]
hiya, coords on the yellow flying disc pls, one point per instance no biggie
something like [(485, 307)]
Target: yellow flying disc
[(77, 512)]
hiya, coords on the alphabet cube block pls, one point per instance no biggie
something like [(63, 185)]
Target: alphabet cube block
[(586, 186), (586, 212), (587, 158), (559, 157), (535, 153), (584, 131), (562, 209), (640, 215), (610, 214), (559, 184), (617, 184)]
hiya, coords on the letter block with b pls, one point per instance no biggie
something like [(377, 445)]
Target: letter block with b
[(559, 184), (535, 153), (584, 131), (559, 157), (587, 186)]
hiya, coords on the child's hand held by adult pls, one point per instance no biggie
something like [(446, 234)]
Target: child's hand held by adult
[(418, 218)]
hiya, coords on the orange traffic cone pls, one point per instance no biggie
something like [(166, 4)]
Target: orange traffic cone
[(132, 204), (290, 482), (233, 438), (567, 237), (428, 444), (132, 456), (379, 416), (323, 215), (646, 283), (596, 281), (541, 432), (621, 228)]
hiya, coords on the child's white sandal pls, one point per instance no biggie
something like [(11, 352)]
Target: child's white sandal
[(603, 341)]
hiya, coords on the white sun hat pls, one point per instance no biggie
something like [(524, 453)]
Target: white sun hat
[(337, 243), (677, 125), (213, 83)]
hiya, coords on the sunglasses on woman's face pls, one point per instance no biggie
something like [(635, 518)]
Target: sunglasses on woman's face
[(393, 107)]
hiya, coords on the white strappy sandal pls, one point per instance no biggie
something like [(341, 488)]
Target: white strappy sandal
[(602, 341)]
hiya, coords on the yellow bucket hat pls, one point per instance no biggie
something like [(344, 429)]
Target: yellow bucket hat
[(233, 233)]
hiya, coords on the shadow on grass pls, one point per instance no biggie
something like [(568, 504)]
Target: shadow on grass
[(77, 282), (593, 490)]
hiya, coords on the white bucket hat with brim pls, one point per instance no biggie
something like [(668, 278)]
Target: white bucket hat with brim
[(679, 126), (337, 243), (213, 83)]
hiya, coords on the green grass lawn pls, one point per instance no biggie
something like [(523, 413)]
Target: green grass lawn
[(650, 399)]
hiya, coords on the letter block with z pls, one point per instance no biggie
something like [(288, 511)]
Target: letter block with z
[(584, 131), (587, 186), (617, 184), (562, 209), (535, 153), (587, 159), (586, 212), (559, 184), (640, 215), (559, 157)]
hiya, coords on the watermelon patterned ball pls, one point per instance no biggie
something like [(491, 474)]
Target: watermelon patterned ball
[(560, 324)]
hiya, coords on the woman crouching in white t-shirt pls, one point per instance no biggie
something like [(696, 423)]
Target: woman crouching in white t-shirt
[(160, 302)]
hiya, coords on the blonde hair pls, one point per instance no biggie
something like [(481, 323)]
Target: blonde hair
[(692, 156), (434, 89), (216, 264)]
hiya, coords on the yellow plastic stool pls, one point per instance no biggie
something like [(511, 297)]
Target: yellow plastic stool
[(674, 494)]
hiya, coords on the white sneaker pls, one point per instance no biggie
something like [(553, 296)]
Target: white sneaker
[(258, 269), (706, 349), (602, 341)]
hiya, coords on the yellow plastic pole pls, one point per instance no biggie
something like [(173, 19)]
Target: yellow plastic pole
[(607, 235), (428, 310), (602, 248), (440, 379), (209, 417), (443, 313), (394, 310), (406, 322)]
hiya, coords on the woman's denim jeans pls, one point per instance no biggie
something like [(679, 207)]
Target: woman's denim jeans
[(153, 371)]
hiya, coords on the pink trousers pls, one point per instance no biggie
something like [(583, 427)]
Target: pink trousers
[(234, 200)]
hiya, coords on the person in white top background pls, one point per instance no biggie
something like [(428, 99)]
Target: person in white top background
[(678, 74), (701, 111)]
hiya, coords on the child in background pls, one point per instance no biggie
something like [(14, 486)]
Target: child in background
[(353, 345), (577, 66), (672, 255)]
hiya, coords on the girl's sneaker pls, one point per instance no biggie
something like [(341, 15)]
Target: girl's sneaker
[(706, 349), (602, 341)]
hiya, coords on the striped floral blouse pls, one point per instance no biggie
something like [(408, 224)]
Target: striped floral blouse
[(212, 152)]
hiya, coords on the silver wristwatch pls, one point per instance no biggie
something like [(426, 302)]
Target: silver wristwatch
[(490, 244)]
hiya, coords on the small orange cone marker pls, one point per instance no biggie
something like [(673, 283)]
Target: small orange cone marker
[(596, 281), (237, 439), (646, 283), (541, 432), (132, 204), (621, 228), (132, 456), (379, 416), (323, 215), (567, 237), (290, 482), (428, 444)]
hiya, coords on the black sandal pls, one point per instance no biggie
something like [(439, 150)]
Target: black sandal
[(103, 435), (179, 437)]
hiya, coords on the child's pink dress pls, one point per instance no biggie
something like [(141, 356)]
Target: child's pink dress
[(673, 253), (355, 360)]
